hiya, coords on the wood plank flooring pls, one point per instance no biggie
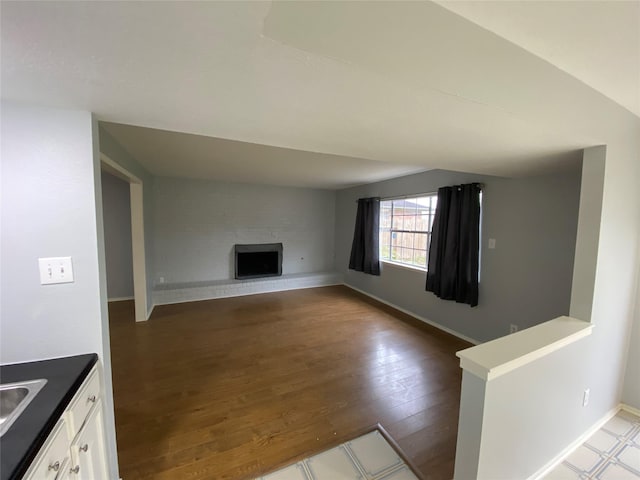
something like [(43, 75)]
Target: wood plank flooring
[(235, 388)]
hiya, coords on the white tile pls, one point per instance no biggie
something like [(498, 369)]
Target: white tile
[(630, 456), (374, 453), (603, 441), (584, 459), (562, 472), (403, 474), (618, 425), (630, 417), (334, 464), (292, 472), (616, 472)]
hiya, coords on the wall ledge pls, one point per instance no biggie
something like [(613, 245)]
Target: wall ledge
[(165, 294), (492, 359)]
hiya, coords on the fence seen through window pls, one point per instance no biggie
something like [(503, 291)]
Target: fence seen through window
[(405, 229)]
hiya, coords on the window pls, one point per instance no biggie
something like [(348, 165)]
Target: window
[(405, 229)]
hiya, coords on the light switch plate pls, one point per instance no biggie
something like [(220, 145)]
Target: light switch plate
[(55, 270), (492, 243)]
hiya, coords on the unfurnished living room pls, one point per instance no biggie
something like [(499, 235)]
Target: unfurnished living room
[(320, 240)]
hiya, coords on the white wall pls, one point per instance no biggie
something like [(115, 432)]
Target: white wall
[(197, 223), (532, 413), (631, 391), (50, 183), (48, 210), (116, 207), (525, 280)]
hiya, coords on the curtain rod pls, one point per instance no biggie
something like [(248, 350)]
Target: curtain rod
[(414, 195)]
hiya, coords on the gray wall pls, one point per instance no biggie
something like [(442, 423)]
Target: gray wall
[(197, 222), (50, 207), (116, 208), (535, 412), (525, 280), (112, 149)]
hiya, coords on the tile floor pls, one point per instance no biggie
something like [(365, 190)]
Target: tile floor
[(612, 453), (369, 457)]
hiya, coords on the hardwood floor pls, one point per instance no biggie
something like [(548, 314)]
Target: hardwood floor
[(234, 388)]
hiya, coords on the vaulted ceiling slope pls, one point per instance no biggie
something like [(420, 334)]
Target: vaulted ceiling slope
[(597, 42), (368, 89)]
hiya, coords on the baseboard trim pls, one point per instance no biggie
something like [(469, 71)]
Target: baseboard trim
[(630, 409), (559, 458), (119, 299), (416, 316)]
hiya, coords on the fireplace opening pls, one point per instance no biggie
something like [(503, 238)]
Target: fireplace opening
[(258, 260)]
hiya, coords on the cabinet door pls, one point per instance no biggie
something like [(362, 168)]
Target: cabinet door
[(53, 458), (88, 449)]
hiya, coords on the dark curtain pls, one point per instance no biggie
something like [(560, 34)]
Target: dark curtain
[(455, 239), (364, 250)]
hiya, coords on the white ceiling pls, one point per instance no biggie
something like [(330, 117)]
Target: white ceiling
[(597, 42), (366, 90), (174, 154)]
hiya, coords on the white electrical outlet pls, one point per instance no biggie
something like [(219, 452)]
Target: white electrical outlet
[(492, 243), (585, 397), (513, 328), (55, 270)]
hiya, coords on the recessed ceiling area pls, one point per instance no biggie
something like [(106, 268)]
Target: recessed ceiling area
[(324, 94), (173, 154)]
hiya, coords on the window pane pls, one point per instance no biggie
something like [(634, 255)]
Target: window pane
[(396, 238), (407, 241), (409, 222), (385, 216), (420, 241), (420, 258), (405, 206), (399, 219), (422, 222), (385, 237)]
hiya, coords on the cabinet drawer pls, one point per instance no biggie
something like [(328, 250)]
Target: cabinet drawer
[(53, 458), (79, 408)]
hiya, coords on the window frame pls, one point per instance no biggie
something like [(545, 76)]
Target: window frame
[(433, 196)]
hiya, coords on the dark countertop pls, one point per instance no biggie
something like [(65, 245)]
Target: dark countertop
[(20, 444)]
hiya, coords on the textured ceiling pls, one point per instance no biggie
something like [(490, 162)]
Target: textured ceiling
[(367, 90)]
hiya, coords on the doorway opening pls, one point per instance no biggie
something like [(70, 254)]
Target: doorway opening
[(137, 234)]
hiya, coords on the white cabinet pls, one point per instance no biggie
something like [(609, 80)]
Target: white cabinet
[(54, 456), (88, 459), (75, 449)]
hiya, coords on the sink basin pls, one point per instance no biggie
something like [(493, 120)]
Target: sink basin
[(14, 398)]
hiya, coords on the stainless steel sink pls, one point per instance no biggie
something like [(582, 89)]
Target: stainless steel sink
[(14, 398)]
